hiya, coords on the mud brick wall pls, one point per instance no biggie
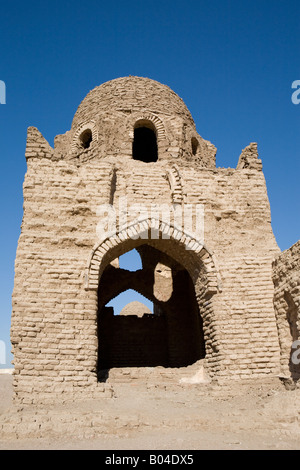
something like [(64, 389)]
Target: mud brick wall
[(60, 258), (286, 277)]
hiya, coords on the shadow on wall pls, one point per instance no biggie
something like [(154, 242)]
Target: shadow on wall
[(292, 316)]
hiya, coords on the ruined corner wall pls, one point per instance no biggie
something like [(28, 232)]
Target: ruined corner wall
[(286, 277), (238, 232)]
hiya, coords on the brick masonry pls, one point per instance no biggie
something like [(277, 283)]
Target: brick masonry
[(286, 269), (62, 265)]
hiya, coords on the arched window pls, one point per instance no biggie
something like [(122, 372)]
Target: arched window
[(86, 138), (144, 147), (131, 261)]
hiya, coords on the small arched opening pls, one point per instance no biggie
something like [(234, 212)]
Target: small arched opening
[(86, 138), (167, 333), (195, 145), (144, 146)]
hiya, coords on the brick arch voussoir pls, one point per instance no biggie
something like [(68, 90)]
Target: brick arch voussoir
[(130, 237), (156, 121)]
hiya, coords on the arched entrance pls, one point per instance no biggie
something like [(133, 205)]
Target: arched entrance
[(170, 336), (179, 276)]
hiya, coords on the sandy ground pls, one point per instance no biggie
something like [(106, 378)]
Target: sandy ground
[(191, 417)]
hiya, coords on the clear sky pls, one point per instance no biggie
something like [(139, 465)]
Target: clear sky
[(232, 62)]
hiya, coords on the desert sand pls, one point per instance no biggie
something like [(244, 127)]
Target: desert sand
[(259, 415)]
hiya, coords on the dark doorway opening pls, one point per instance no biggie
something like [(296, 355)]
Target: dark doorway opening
[(171, 336), (291, 316), (144, 147)]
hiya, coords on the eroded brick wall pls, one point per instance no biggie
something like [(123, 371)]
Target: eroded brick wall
[(286, 277), (54, 320), (129, 341)]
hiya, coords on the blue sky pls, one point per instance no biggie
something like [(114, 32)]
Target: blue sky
[(131, 261), (232, 62)]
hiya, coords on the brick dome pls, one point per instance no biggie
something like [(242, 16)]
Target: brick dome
[(129, 94)]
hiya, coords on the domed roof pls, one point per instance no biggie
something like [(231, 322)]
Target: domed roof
[(130, 93)]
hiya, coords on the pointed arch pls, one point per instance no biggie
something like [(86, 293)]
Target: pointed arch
[(83, 130), (198, 262), (185, 248)]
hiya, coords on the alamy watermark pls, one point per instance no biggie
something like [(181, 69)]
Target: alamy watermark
[(296, 355), (296, 95), (133, 220), (2, 353), (2, 92)]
